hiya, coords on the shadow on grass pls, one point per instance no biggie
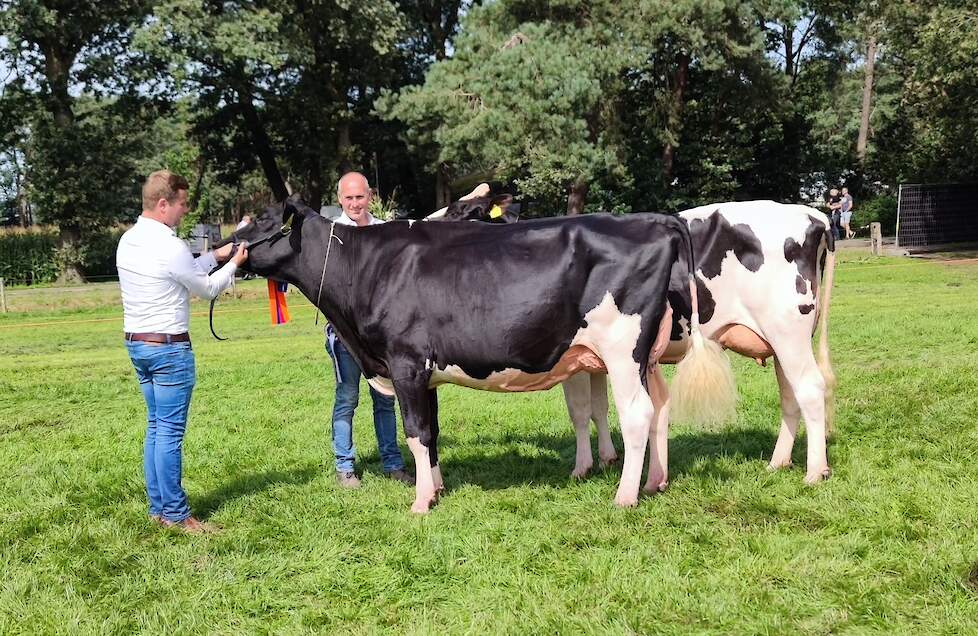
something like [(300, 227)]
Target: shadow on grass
[(248, 484), (548, 459)]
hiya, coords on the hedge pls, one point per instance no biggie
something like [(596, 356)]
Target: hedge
[(28, 256)]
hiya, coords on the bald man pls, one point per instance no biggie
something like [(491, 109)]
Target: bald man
[(353, 192)]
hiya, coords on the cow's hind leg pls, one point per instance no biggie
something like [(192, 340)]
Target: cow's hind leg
[(599, 415), (635, 415), (658, 478), (790, 416), (416, 402), (577, 395), (808, 385)]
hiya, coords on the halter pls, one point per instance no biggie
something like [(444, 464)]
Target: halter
[(283, 231), (322, 279)]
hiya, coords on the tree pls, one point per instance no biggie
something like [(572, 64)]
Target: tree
[(525, 101), (57, 46)]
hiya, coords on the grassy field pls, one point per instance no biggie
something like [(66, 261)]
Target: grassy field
[(888, 545)]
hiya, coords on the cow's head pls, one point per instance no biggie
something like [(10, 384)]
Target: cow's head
[(275, 236), (489, 209)]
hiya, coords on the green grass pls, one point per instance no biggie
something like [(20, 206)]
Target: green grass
[(888, 545)]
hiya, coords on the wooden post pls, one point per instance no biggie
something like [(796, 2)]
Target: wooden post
[(876, 238), (3, 296)]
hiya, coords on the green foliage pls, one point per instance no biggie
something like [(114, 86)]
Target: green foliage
[(384, 209), (35, 256), (526, 102), (881, 209), (28, 256)]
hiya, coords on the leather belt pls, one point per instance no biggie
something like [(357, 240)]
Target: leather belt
[(159, 338)]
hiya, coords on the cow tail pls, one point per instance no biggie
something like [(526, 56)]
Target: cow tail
[(822, 357), (703, 390)]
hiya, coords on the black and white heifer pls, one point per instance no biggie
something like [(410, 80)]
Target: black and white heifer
[(503, 307), (757, 274)]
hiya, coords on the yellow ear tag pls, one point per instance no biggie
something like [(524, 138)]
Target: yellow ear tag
[(495, 212)]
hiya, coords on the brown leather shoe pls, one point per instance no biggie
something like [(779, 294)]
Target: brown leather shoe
[(156, 519), (193, 526), (347, 479), (400, 475)]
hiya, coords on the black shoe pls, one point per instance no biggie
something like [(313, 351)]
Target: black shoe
[(400, 475)]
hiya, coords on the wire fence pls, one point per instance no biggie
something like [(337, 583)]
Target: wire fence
[(935, 214)]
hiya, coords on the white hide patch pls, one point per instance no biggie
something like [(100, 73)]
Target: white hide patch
[(609, 334), (382, 385), (411, 223), (759, 300)]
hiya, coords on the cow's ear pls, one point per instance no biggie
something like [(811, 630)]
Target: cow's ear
[(496, 209), (466, 209), (289, 212)]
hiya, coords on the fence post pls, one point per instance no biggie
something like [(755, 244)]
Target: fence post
[(3, 296), (876, 238)]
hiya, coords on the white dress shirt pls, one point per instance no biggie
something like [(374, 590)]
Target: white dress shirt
[(157, 274), (343, 219)]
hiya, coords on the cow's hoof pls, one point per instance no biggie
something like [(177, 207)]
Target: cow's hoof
[(813, 478), (423, 505), (607, 462), (654, 488), (626, 501), (580, 472), (778, 465)]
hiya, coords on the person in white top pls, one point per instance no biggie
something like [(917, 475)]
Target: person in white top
[(353, 192), (157, 274)]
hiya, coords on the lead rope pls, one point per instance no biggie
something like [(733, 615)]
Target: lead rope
[(322, 279)]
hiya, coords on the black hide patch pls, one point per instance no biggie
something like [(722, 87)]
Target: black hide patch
[(806, 309), (805, 257), (800, 285), (714, 237)]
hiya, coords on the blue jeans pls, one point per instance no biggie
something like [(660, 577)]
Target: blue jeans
[(166, 374), (347, 397)]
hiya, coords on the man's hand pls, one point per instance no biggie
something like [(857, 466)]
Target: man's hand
[(222, 253), (241, 255)]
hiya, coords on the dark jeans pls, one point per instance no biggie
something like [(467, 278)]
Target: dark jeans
[(347, 397), (837, 224)]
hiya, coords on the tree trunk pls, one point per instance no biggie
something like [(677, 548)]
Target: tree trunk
[(443, 194), (675, 116), (343, 146), (58, 59), (69, 240), (198, 182), (263, 147), (577, 196), (867, 100)]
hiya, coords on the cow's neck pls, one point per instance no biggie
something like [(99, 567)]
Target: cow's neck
[(339, 284)]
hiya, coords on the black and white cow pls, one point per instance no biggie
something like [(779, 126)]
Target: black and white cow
[(757, 272), (503, 307)]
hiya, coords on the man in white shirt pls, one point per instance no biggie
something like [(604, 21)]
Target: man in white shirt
[(157, 274), (354, 195)]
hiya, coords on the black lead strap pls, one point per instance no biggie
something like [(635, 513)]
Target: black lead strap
[(282, 231)]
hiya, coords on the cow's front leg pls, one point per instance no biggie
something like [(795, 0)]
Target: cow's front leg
[(658, 478), (435, 464), (415, 401)]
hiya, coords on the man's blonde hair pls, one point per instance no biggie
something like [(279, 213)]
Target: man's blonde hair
[(162, 184)]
